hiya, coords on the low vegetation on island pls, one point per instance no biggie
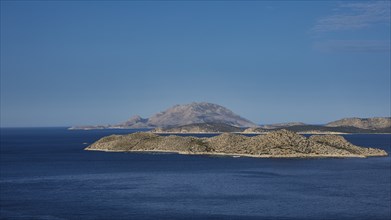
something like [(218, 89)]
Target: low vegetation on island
[(277, 144)]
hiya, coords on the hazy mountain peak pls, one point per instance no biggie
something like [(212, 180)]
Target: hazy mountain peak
[(186, 114), (197, 112)]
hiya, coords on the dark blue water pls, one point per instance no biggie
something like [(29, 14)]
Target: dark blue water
[(45, 174)]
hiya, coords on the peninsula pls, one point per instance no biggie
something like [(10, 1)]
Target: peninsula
[(276, 144)]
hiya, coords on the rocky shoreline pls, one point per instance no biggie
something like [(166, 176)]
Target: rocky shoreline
[(276, 144), (238, 155)]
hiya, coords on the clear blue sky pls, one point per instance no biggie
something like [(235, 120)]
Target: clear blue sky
[(97, 62)]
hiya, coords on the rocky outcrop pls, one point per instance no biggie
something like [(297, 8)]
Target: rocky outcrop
[(363, 123), (281, 143), (199, 128)]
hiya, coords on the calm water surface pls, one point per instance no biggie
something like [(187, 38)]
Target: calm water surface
[(45, 174)]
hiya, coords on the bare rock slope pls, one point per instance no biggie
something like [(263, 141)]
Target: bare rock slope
[(281, 143), (197, 112), (179, 115), (364, 123)]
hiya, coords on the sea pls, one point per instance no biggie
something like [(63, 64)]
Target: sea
[(46, 174)]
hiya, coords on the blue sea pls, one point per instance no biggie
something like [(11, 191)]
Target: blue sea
[(46, 174)]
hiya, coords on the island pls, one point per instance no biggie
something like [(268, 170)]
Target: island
[(179, 115), (203, 117), (276, 144)]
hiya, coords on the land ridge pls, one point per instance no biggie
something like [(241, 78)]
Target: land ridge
[(204, 117), (304, 129), (362, 123)]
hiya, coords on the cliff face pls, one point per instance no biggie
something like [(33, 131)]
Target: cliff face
[(281, 143), (364, 123)]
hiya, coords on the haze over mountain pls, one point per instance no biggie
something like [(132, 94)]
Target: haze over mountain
[(201, 112), (178, 115), (209, 117)]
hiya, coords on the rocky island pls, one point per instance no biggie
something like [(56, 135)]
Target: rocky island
[(179, 115), (203, 117), (276, 144)]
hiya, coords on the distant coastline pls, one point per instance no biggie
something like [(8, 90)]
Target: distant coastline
[(219, 128)]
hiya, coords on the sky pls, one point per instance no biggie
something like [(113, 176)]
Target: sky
[(69, 63)]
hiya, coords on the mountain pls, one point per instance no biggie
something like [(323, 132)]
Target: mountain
[(197, 112), (179, 115), (363, 123), (281, 143)]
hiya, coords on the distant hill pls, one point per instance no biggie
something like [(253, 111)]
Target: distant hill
[(363, 123), (325, 129), (346, 125), (281, 125), (179, 115), (197, 112), (203, 117), (199, 128), (221, 127)]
